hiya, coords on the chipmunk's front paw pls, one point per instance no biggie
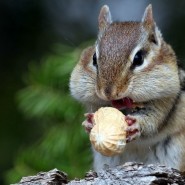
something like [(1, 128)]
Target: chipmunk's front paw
[(133, 129), (88, 123)]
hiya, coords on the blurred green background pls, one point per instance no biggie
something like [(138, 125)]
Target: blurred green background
[(40, 42)]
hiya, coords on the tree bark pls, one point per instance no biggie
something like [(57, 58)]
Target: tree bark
[(127, 174)]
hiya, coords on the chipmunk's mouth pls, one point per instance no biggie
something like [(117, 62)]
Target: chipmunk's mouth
[(127, 105), (124, 103)]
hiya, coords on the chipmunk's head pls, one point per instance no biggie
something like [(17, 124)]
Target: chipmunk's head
[(130, 57)]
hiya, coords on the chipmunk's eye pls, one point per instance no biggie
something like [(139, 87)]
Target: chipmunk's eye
[(138, 59), (94, 60)]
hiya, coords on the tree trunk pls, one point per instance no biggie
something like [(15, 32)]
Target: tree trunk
[(127, 174)]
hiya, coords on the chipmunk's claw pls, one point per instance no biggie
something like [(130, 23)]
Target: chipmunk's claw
[(133, 129), (88, 123)]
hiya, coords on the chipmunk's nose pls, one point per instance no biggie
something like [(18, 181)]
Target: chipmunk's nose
[(109, 92)]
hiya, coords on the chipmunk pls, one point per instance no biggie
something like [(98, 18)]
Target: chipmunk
[(131, 62)]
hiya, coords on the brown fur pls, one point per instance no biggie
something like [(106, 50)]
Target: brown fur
[(155, 84), (86, 56)]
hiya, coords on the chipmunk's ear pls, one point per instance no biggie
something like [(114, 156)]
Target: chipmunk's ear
[(150, 25), (148, 17), (104, 18)]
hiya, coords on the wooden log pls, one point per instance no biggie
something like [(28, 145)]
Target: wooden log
[(127, 174)]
